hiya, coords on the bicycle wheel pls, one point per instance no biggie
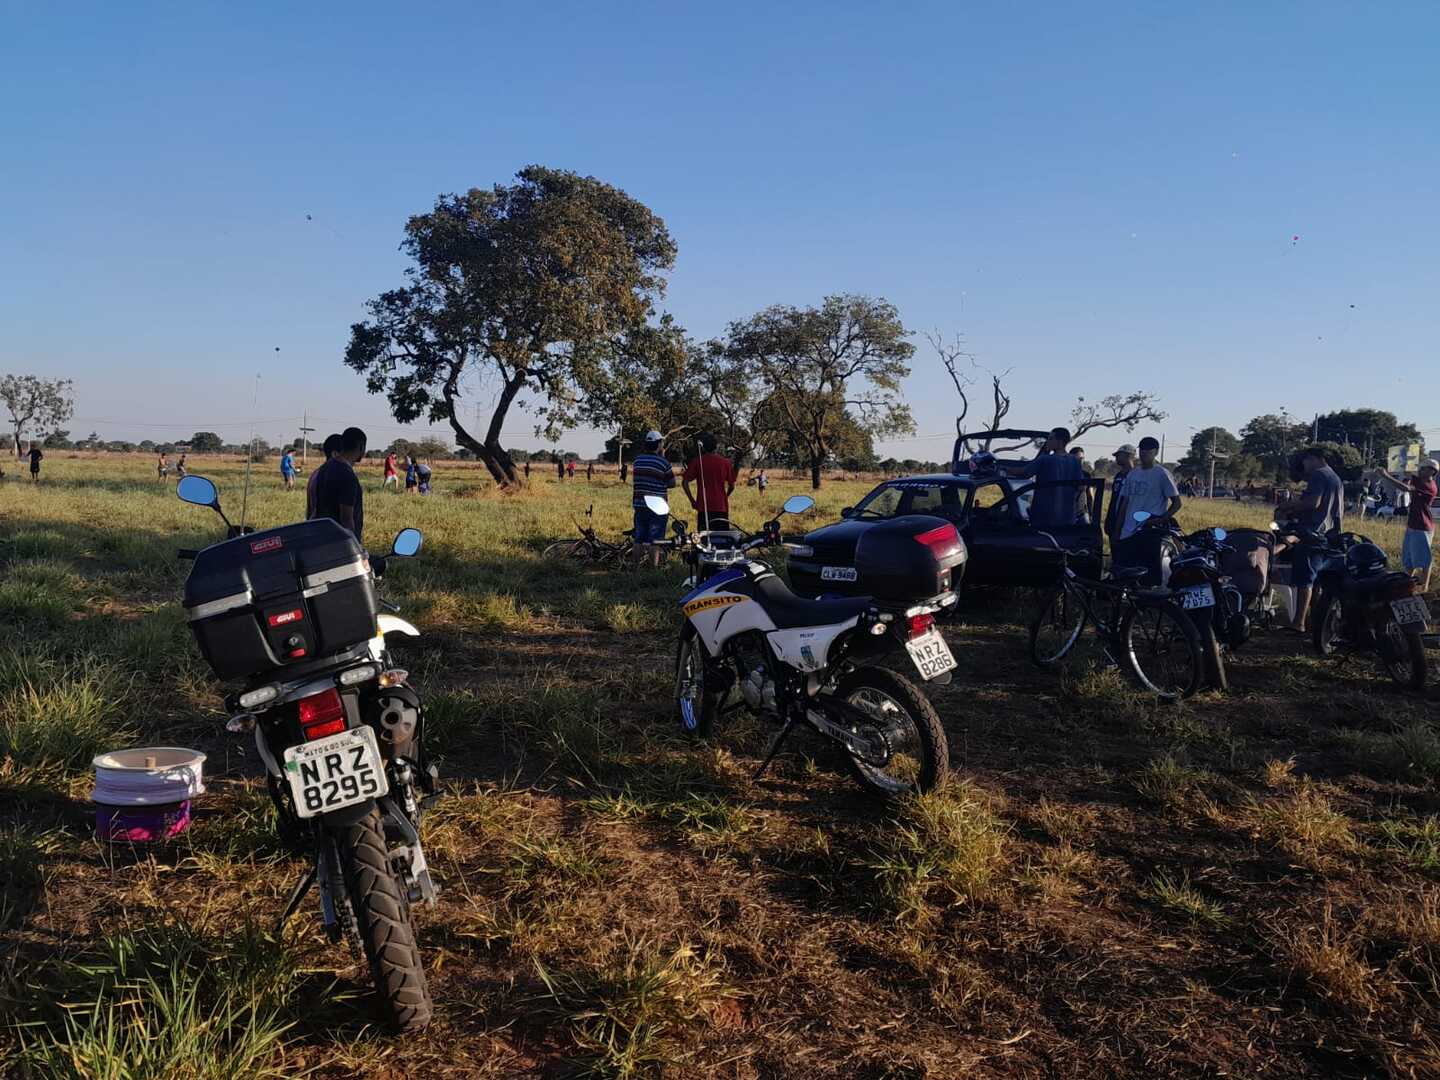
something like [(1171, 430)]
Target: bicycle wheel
[(1161, 648), (567, 549), (1057, 625)]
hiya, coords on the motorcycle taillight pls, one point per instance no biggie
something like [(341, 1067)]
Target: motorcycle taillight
[(322, 714), (920, 624)]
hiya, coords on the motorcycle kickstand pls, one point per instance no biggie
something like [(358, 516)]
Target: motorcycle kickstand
[(774, 748), (297, 894)]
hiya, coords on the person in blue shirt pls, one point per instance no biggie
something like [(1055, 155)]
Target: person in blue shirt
[(1058, 478), (287, 470), (653, 476)]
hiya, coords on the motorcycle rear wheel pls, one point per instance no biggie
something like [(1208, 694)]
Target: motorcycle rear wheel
[(920, 753), (382, 916), (1402, 655)]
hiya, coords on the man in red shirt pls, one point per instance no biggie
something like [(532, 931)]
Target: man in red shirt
[(1420, 522), (714, 477)]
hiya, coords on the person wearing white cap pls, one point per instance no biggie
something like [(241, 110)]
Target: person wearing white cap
[(653, 476), (1124, 462), (1416, 553)]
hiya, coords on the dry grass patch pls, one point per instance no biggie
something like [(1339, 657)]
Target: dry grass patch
[(1167, 782), (1306, 827), (1065, 821), (1280, 774), (944, 850), (1328, 960)]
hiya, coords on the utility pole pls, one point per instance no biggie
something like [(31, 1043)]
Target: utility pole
[(305, 430)]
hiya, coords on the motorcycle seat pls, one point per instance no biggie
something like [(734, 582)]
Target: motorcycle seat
[(789, 612), (1128, 573)]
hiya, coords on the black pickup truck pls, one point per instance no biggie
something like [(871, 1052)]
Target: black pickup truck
[(989, 507)]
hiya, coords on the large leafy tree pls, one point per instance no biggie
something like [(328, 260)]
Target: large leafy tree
[(528, 288), (812, 368), (33, 400), (206, 442), (1272, 439), (1218, 439), (1372, 431)]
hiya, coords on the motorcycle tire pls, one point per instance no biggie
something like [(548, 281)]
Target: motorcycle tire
[(1402, 655), (382, 916), (877, 686), (1325, 624), (696, 703)]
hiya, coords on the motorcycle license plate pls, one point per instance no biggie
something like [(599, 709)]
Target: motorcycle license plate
[(931, 655), (1411, 611), (1197, 596), (335, 772)]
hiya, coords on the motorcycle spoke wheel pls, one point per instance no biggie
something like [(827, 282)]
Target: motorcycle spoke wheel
[(916, 756), (1402, 655), (695, 703), (1162, 650), (1057, 627)]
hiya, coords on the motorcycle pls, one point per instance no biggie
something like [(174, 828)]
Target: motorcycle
[(813, 663), (1359, 605), (1209, 597), (339, 729)]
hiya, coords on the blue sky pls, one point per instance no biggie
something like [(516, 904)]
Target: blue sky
[(1099, 197)]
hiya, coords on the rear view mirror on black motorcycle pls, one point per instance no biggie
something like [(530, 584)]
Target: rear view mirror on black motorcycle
[(656, 505), (198, 491), (798, 504), (1220, 534), (407, 543)]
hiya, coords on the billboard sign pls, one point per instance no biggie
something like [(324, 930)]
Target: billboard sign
[(1404, 458)]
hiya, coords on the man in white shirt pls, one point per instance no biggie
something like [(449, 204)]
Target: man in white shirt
[(1150, 488)]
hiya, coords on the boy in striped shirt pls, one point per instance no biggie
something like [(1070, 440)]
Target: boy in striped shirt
[(653, 476)]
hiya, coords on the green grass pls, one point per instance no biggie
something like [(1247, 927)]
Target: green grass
[(65, 713), (1179, 896)]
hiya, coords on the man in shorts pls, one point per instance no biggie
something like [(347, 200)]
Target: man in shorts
[(653, 476), (1417, 552), (287, 469), (1320, 509), (162, 467), (392, 476)]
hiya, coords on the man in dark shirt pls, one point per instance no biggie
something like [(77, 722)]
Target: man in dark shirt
[(1321, 508), (338, 493), (329, 449), (1059, 481), (35, 456)]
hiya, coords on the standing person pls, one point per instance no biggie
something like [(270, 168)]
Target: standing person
[(590, 472), (1417, 553), (762, 481), (570, 469), (392, 478), (560, 469), (287, 469), (162, 467), (1082, 497), (412, 474), (35, 457), (1059, 481), (527, 468), (1124, 462), (338, 493), (1321, 508), (714, 477), (180, 472), (624, 470), (1150, 488), (653, 476), (422, 478), (329, 448)]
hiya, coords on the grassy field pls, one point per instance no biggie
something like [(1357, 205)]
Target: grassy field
[(1240, 885)]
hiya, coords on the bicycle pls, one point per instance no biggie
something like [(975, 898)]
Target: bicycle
[(588, 547), (1144, 630)]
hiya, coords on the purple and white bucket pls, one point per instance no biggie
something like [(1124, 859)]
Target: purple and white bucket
[(143, 795)]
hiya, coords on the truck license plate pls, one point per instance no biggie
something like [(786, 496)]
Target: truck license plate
[(1411, 611), (335, 772), (931, 655), (1197, 596)]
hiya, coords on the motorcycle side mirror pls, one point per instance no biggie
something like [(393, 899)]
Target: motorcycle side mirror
[(846, 511), (798, 504), (198, 491), (657, 505), (1142, 515), (1220, 533), (407, 543)]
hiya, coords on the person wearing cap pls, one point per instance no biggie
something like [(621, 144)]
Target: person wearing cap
[(1124, 462), (714, 477), (653, 476), (1320, 509), (1152, 489), (1416, 554)]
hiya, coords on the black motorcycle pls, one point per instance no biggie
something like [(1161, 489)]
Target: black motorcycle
[(291, 615), (1359, 605), (1215, 606)]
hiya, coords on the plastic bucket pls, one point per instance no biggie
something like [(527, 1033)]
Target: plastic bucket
[(144, 794)]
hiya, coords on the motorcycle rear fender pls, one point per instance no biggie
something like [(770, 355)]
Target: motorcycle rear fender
[(390, 624), (807, 648)]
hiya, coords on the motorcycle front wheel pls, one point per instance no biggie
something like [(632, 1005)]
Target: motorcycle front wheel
[(1402, 655), (382, 916), (696, 702), (919, 754)]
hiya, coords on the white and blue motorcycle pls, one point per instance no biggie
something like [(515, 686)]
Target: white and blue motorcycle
[(749, 642)]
